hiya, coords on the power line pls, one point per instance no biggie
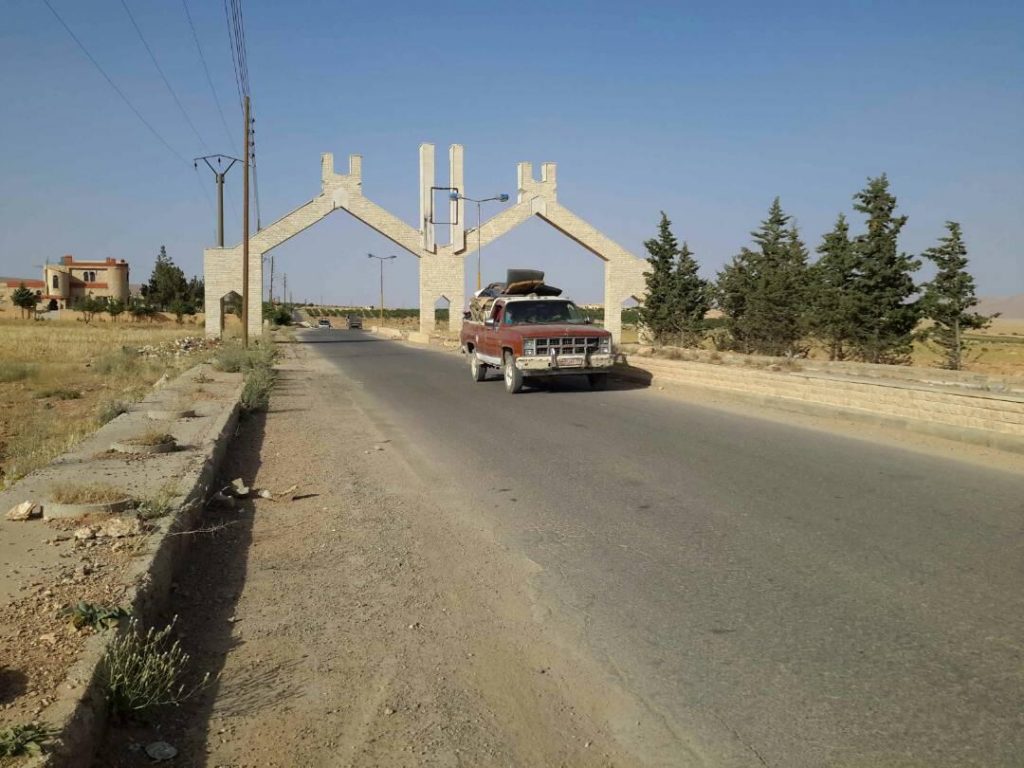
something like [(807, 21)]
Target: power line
[(170, 88), (206, 69), (113, 85)]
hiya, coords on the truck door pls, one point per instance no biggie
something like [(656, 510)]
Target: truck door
[(489, 344)]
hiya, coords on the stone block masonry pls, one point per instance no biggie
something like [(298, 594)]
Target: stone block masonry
[(441, 267)]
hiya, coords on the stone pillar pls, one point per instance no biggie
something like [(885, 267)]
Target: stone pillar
[(426, 182), (457, 208)]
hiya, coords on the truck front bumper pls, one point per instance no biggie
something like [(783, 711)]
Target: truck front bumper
[(546, 365)]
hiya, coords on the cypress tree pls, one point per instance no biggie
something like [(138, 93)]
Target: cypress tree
[(949, 298), (657, 311), (763, 292), (884, 286), (24, 299), (691, 298), (834, 302), (167, 284)]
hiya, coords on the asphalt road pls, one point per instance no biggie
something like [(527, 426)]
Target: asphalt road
[(776, 595)]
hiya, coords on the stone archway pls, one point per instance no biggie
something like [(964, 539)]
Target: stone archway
[(441, 267)]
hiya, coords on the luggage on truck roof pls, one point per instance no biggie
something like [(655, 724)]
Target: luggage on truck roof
[(518, 282)]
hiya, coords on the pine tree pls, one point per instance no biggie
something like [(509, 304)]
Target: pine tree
[(763, 292), (691, 298), (115, 307), (167, 283), (24, 299), (887, 314), (658, 308), (949, 298), (834, 302)]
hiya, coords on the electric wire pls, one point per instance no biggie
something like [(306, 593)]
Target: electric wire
[(206, 70), (170, 88), (113, 85)]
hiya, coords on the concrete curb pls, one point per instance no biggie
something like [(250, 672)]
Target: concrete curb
[(863, 401), (80, 711)]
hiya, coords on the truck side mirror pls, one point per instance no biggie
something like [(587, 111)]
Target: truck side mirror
[(489, 322), (467, 315)]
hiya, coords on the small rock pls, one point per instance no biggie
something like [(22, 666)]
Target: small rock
[(160, 751), (83, 570), (24, 511), (119, 527), (263, 493), (83, 534), (49, 637), (239, 488), (388, 711), (378, 447)]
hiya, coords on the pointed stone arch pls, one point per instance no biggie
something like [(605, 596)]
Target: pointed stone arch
[(441, 267)]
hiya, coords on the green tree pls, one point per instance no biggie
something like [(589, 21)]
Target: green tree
[(763, 292), (949, 298), (89, 306), (167, 283), (196, 292), (691, 298), (24, 299), (658, 309), (115, 307), (884, 286), (180, 307), (834, 301)]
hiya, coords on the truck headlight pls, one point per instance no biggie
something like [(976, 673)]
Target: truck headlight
[(529, 346), (604, 345)]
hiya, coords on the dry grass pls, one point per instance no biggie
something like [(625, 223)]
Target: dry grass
[(998, 350), (152, 437), (41, 362), (87, 493)]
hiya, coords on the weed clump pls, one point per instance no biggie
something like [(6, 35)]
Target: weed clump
[(256, 389), (84, 614), (117, 363), (145, 671), (10, 372), (110, 410), (93, 493), (25, 740), (58, 393)]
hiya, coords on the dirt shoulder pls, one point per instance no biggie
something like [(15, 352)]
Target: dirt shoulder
[(371, 620)]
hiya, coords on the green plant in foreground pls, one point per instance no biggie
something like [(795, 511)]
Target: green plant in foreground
[(98, 617), (256, 390), (21, 740), (144, 671)]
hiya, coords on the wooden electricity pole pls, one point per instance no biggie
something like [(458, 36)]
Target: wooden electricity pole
[(245, 230)]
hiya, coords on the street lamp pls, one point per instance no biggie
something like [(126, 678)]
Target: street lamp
[(502, 198), (381, 259)]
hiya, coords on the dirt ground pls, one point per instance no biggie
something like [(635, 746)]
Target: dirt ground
[(370, 621)]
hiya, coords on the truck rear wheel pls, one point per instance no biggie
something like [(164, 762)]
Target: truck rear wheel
[(478, 369), (513, 376)]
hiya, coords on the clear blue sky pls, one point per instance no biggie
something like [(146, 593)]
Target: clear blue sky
[(706, 111)]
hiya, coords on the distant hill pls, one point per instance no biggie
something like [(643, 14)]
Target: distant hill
[(1009, 307)]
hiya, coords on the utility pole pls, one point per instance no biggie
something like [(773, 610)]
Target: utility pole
[(219, 176), (284, 294), (271, 278), (381, 259), (245, 230)]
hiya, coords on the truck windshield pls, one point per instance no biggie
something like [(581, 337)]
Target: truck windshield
[(542, 312)]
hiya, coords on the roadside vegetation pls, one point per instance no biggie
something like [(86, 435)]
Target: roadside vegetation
[(62, 379), (257, 364), (860, 300)]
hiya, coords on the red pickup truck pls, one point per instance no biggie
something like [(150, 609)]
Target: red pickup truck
[(536, 336)]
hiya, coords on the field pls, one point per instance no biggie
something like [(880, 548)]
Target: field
[(61, 379)]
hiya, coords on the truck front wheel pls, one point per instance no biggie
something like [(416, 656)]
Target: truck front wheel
[(478, 369), (513, 376)]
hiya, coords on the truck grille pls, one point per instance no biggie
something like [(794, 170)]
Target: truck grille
[(567, 345)]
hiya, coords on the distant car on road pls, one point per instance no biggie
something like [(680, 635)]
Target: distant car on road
[(354, 321), (323, 323)]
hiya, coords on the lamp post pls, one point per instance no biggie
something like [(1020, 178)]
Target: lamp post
[(502, 198), (381, 259)]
